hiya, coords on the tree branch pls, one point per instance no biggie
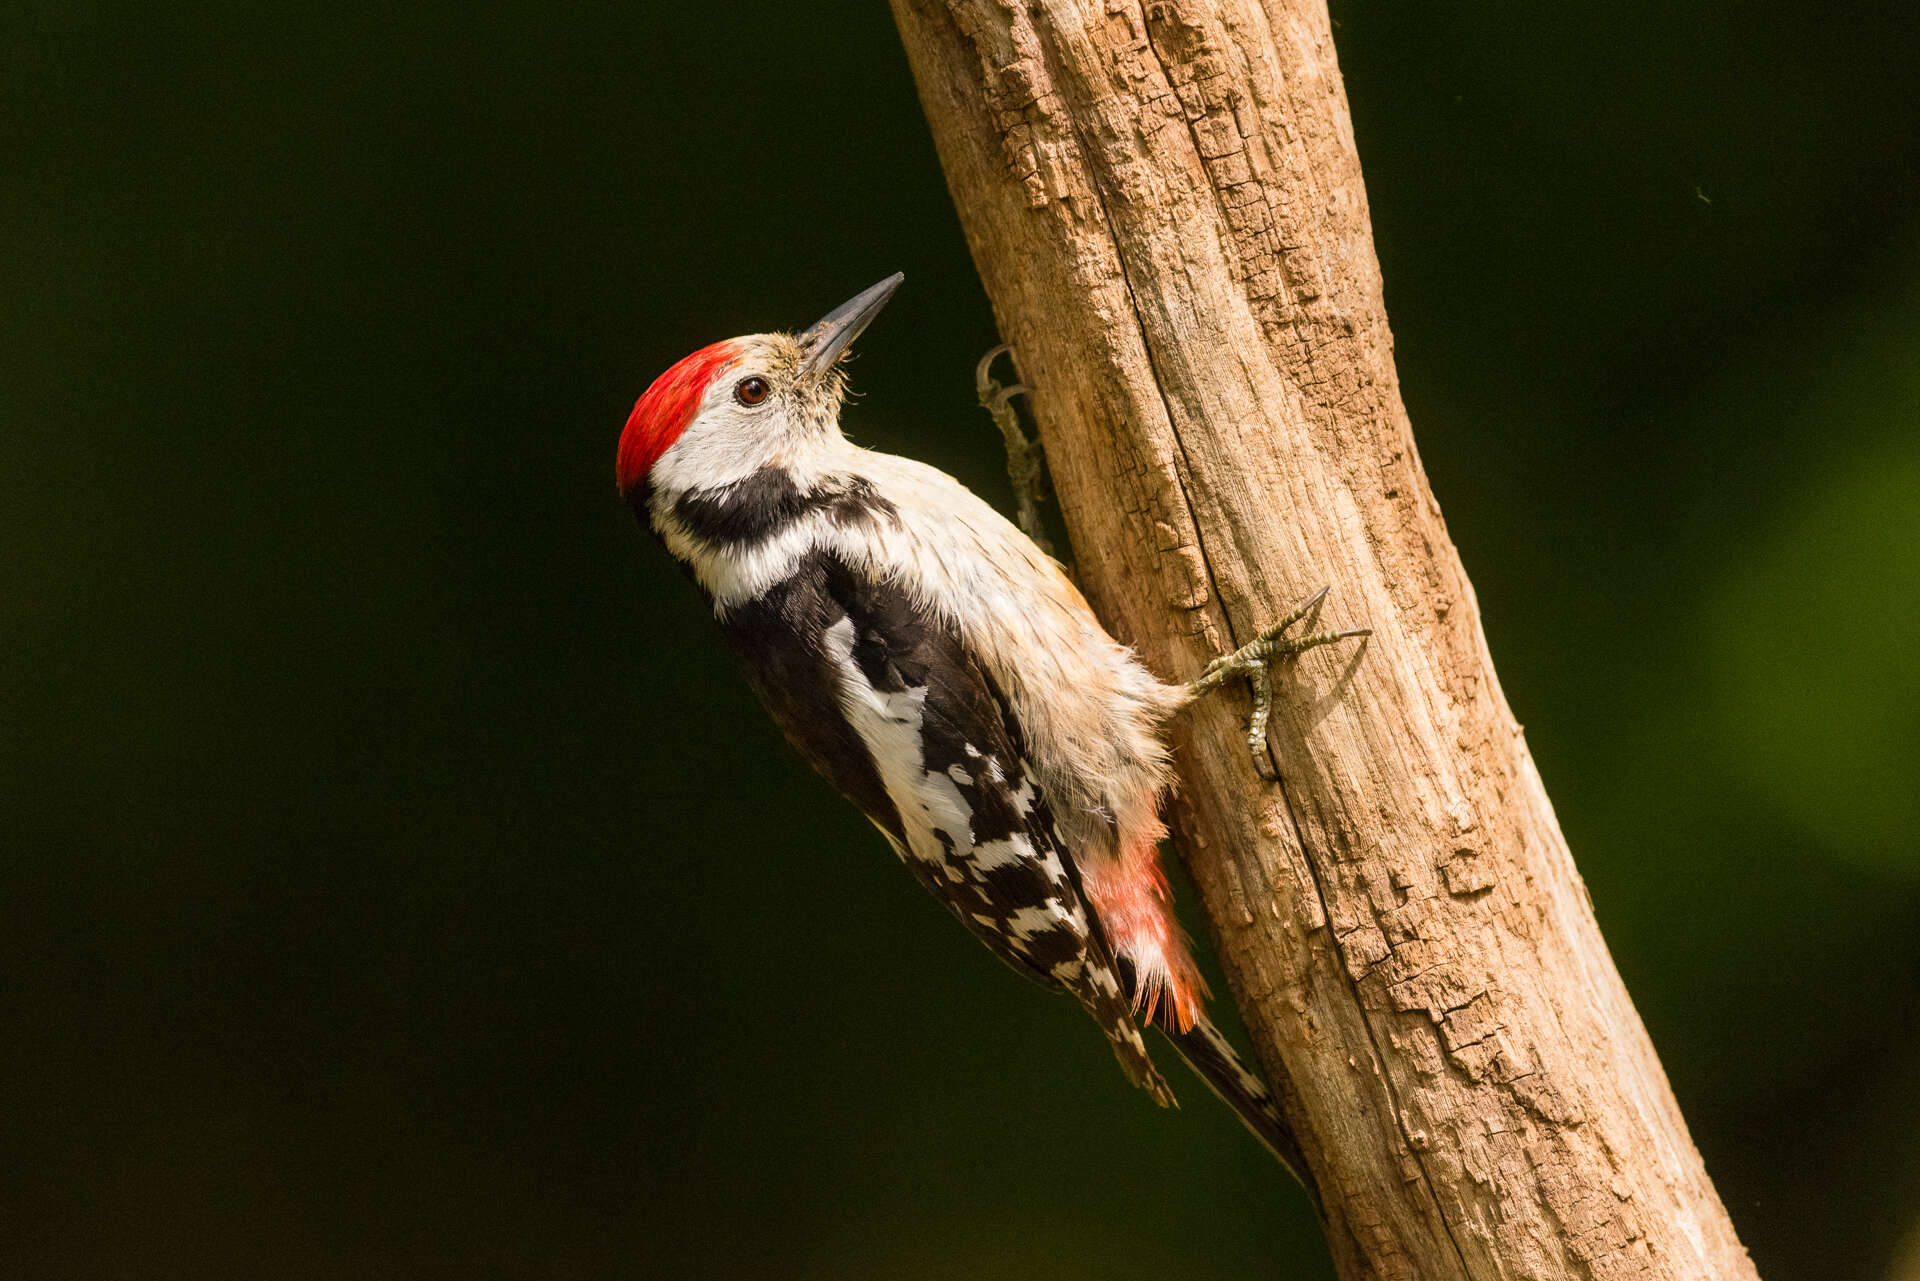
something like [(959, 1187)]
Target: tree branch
[(1166, 207)]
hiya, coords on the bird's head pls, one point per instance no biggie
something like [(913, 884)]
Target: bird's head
[(731, 409)]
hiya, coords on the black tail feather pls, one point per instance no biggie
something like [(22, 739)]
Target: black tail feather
[(1240, 1087)]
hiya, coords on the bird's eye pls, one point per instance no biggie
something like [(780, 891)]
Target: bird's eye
[(750, 391)]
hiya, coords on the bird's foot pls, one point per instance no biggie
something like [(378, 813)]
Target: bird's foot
[(1024, 455), (1255, 659)]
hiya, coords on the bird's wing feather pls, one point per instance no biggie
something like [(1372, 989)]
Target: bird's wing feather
[(776, 636), (976, 827), (942, 772)]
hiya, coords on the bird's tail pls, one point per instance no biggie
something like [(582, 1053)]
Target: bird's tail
[(1241, 1088)]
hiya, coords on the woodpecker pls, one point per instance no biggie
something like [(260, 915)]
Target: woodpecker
[(946, 676)]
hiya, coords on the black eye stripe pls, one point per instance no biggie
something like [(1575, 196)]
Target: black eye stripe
[(751, 390)]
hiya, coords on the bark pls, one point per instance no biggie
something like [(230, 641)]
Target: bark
[(1166, 207)]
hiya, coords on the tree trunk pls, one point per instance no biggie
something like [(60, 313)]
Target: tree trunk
[(1166, 207)]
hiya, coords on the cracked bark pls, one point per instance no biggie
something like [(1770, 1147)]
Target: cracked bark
[(1166, 207)]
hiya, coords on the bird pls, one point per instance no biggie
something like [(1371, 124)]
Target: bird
[(943, 672)]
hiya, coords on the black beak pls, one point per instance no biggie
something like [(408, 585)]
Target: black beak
[(822, 346)]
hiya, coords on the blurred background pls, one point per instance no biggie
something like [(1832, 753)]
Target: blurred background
[(397, 879)]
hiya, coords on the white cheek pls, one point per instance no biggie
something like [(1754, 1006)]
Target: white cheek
[(728, 442), (725, 442)]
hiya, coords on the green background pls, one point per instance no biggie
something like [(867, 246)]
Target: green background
[(397, 879)]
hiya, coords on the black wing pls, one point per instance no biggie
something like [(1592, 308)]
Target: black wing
[(898, 714), (779, 638)]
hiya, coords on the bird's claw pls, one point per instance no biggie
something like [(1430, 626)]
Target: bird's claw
[(983, 380), (1023, 451), (1254, 660)]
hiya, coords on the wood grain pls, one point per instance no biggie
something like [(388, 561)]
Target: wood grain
[(1165, 204)]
